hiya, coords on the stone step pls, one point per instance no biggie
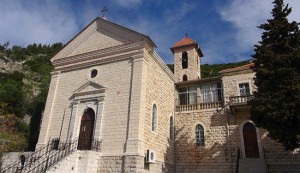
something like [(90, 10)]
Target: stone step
[(252, 165), (77, 161)]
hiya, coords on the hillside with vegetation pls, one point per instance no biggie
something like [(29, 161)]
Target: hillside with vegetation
[(211, 70), (24, 82)]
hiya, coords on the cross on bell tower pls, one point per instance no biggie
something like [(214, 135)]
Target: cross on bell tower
[(103, 11)]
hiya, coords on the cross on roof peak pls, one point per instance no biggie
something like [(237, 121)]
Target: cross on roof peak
[(103, 11)]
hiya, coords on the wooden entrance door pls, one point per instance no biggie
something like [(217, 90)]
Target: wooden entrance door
[(86, 130), (250, 141)]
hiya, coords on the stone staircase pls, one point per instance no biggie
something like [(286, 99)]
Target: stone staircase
[(79, 161), (252, 165), (58, 156)]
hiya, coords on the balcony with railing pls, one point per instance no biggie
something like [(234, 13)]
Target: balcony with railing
[(191, 101), (240, 100)]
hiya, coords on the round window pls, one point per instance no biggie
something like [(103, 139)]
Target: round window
[(94, 73)]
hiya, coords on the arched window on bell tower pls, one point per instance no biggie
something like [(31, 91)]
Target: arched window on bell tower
[(184, 78), (185, 60)]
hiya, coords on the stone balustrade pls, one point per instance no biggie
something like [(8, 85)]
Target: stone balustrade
[(199, 106), (240, 100)]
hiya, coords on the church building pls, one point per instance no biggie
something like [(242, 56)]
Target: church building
[(114, 106)]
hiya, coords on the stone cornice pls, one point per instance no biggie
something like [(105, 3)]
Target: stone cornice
[(98, 57), (99, 53), (163, 65), (90, 92)]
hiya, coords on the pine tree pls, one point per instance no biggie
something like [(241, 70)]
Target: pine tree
[(276, 103)]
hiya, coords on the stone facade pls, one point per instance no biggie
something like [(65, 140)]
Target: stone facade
[(223, 133), (130, 78), (231, 83), (159, 140), (140, 106), (215, 155)]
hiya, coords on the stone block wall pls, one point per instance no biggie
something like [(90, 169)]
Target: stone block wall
[(67, 164), (136, 164), (217, 155), (231, 84), (193, 70), (115, 112), (159, 90), (11, 157), (274, 154)]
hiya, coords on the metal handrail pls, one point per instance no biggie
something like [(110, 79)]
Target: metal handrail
[(60, 151), (32, 157), (266, 165), (48, 155), (238, 156)]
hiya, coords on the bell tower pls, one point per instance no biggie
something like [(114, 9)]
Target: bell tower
[(187, 56)]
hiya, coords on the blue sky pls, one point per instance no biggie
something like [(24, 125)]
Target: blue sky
[(225, 29)]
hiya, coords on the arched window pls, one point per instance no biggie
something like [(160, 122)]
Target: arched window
[(154, 117), (171, 128), (199, 135), (185, 60), (184, 78)]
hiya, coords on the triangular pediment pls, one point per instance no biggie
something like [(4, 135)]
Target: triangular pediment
[(89, 87), (100, 34)]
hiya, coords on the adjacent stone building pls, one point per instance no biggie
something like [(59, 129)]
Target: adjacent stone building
[(114, 106)]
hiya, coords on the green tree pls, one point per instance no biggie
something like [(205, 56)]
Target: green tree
[(11, 92), (276, 105), (4, 46)]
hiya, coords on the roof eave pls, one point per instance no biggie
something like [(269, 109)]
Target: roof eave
[(197, 81), (187, 45)]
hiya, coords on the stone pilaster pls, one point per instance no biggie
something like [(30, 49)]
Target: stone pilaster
[(46, 120)]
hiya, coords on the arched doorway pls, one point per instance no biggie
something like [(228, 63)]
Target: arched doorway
[(86, 130), (250, 141)]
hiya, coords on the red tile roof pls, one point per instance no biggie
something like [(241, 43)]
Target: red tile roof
[(184, 42), (244, 67), (187, 42)]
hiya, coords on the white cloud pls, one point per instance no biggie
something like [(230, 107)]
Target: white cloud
[(26, 22), (129, 3), (173, 15), (162, 30), (245, 16)]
